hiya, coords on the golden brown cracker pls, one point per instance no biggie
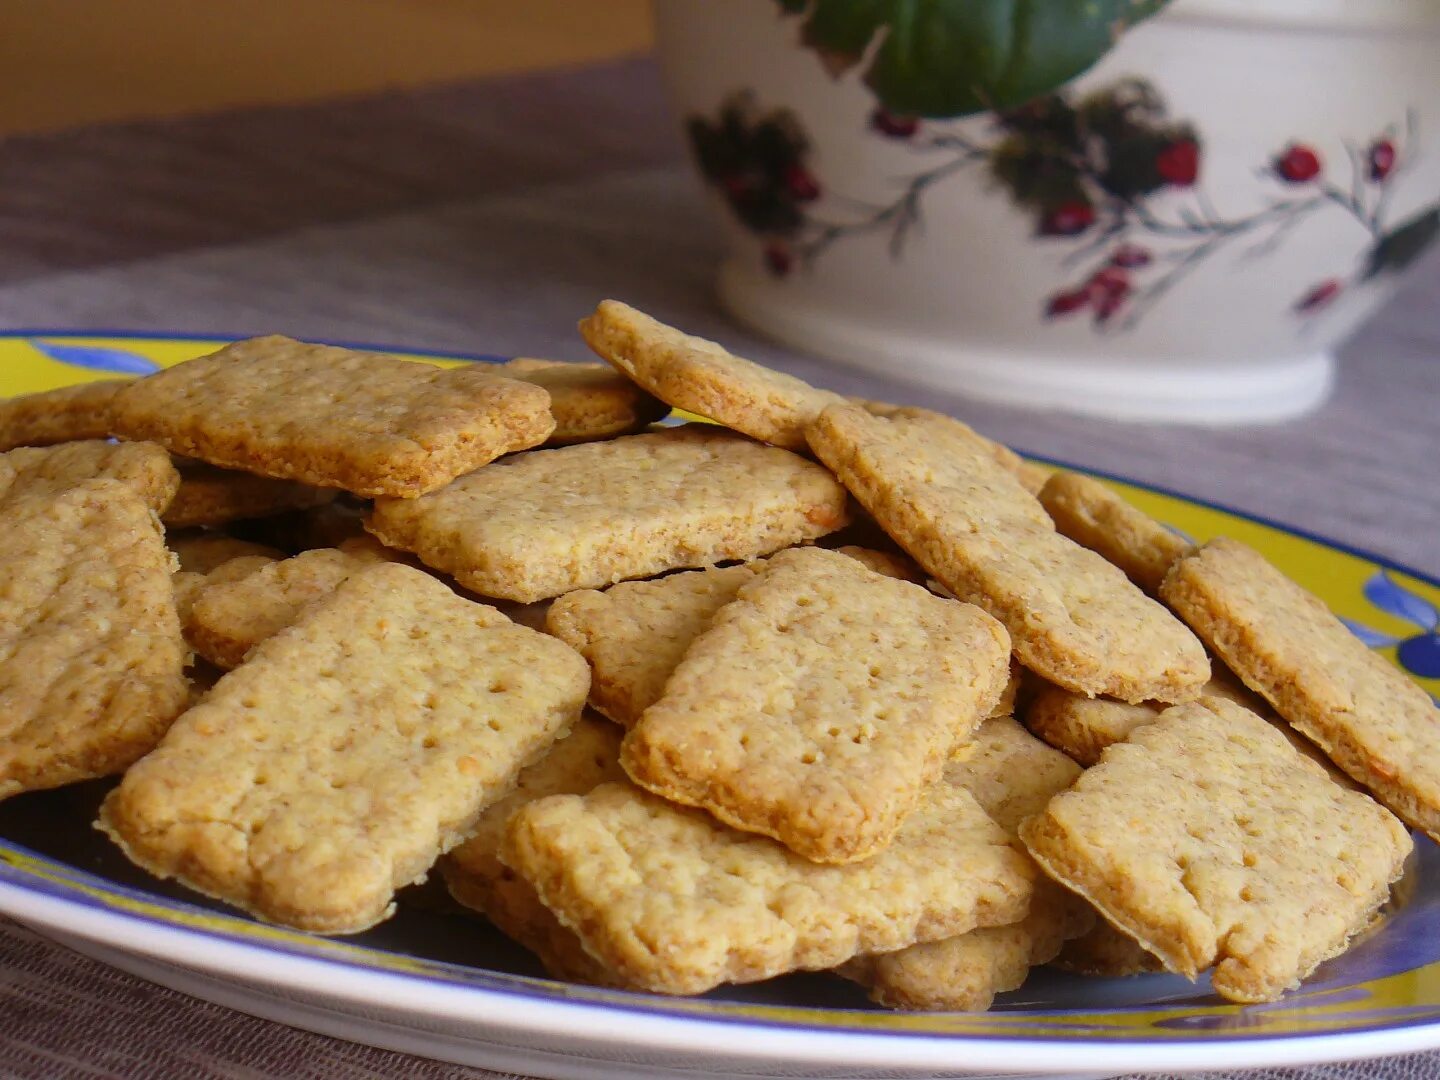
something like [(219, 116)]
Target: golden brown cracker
[(588, 401), (545, 523), (66, 414), (209, 496), (1098, 518), (348, 753), (336, 418), (144, 467)]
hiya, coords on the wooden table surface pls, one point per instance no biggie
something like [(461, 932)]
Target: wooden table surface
[(488, 217)]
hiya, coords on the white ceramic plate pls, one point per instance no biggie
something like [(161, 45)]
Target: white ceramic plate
[(444, 985)]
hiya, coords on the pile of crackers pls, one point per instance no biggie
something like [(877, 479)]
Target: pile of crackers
[(826, 684)]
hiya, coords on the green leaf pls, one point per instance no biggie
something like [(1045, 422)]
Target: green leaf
[(1404, 244), (941, 58)]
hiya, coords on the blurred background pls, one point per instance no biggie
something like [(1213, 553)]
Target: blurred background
[(85, 61)]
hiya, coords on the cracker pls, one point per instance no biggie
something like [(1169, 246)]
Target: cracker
[(819, 704), (189, 584), (1074, 618), (1372, 721), (91, 661), (352, 750), (1012, 775), (1211, 841), (588, 401), (704, 378), (230, 617), (66, 414), (334, 418), (1105, 952), (1032, 477), (587, 757), (672, 901), (1095, 517), (884, 562), (144, 467), (202, 552), (541, 524), (211, 496), (635, 633)]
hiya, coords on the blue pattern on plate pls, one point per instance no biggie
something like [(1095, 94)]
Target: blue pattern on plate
[(119, 361), (1417, 653)]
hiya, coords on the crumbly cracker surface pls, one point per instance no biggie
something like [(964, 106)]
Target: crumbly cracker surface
[(144, 467), (704, 378), (1074, 618), (672, 901), (1208, 838), (541, 524), (587, 757), (1372, 721), (819, 704), (91, 661), (211, 496), (201, 552), (189, 584), (368, 423), (588, 401), (230, 617), (348, 753), (1095, 517), (67, 414)]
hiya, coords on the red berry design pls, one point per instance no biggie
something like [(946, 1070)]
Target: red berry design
[(1179, 163), (801, 184), (1320, 296), (892, 126), (1382, 159), (1068, 219), (1065, 303), (1297, 164), (1130, 257), (779, 259), (1110, 305)]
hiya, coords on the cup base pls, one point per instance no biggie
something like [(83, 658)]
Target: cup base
[(1263, 390)]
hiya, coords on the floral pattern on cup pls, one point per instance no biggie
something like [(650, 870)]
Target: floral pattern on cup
[(1089, 171)]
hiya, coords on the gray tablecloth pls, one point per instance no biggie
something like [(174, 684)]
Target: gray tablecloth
[(488, 217)]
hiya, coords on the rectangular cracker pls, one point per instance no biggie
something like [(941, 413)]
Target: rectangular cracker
[(704, 378), (91, 660), (1074, 618), (819, 704), (352, 750), (540, 524), (1372, 721), (587, 757), (588, 401), (231, 615), (674, 902), (635, 633), (210, 496), (336, 418), (1095, 517), (144, 467), (67, 414), (1211, 841), (1012, 775)]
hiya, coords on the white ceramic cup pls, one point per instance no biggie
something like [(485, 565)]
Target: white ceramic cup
[(1217, 297)]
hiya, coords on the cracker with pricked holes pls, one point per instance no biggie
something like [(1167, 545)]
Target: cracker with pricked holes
[(91, 660), (66, 414), (348, 753), (587, 757), (144, 467), (228, 618), (672, 901), (1012, 776), (1212, 841), (1372, 721), (704, 378), (336, 418), (1095, 517), (635, 633), (544, 523), (588, 401), (819, 704), (1074, 618), (212, 496)]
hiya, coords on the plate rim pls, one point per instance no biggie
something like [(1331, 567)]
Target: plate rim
[(541, 1012)]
